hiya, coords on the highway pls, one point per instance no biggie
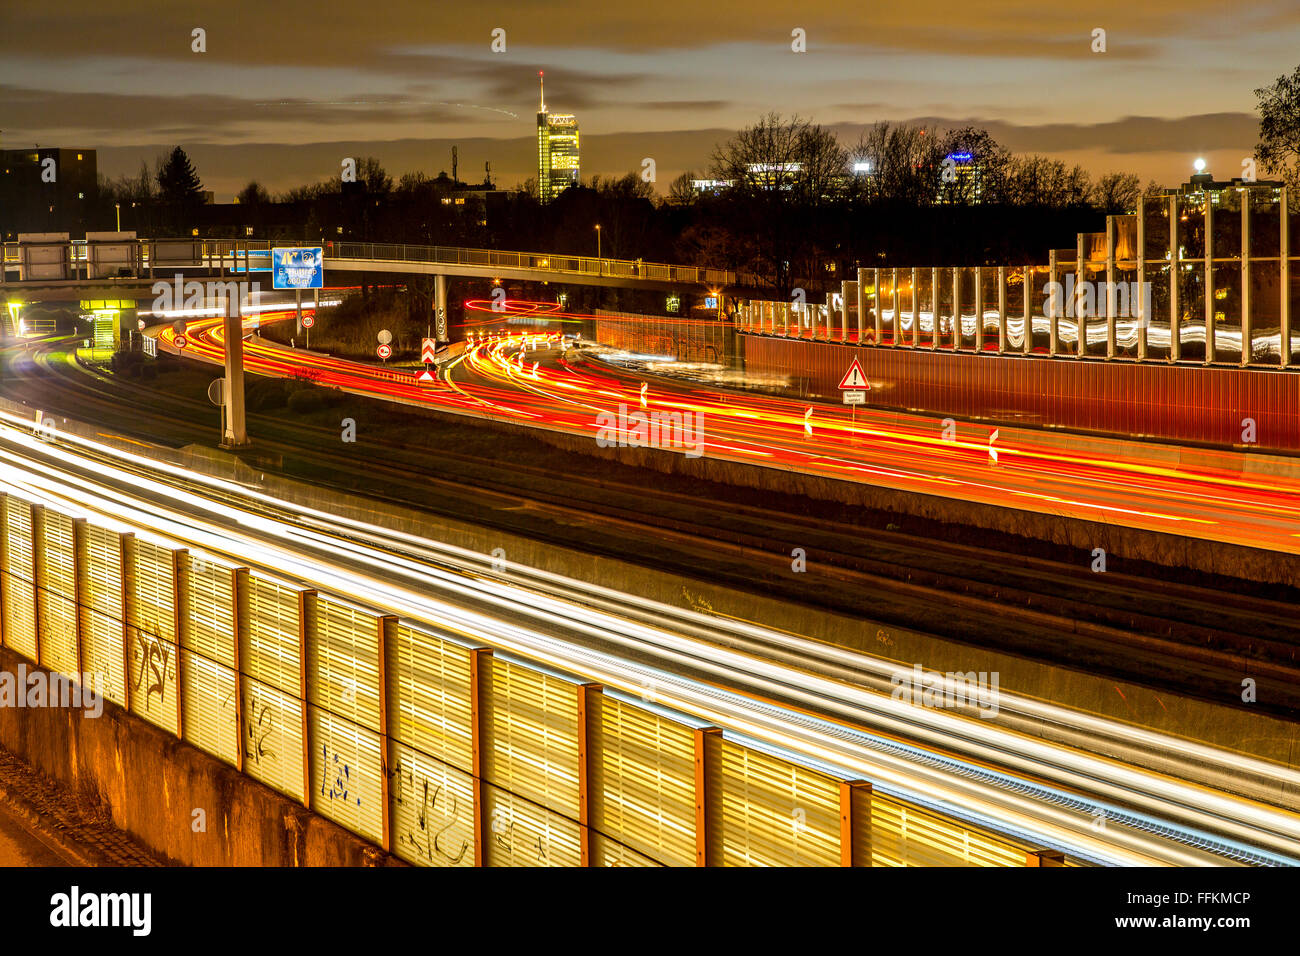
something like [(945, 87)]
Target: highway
[(528, 380), (826, 705)]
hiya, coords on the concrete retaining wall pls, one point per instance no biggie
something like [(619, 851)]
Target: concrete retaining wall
[(153, 783)]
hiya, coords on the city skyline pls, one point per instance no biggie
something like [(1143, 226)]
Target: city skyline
[(252, 106)]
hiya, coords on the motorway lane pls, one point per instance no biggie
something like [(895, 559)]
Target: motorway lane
[(547, 388), (628, 644)]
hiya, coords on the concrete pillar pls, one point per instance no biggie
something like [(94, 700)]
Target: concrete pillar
[(440, 307), (297, 302), (236, 432)]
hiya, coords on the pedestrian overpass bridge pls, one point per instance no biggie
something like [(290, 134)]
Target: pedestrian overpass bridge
[(55, 266)]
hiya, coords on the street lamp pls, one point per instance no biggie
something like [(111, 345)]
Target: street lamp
[(118, 207), (597, 240)]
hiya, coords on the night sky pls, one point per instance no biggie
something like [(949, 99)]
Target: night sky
[(285, 90)]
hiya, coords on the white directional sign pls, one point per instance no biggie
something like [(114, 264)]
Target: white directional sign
[(428, 350), (855, 398), (855, 378)]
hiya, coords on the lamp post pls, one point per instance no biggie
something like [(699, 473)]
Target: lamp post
[(118, 207), (597, 240)]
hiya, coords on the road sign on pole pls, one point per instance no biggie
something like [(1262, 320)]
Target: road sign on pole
[(308, 321), (855, 378), (428, 350), (181, 341), (383, 352), (852, 397)]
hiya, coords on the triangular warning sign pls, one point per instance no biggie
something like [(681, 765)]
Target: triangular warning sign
[(854, 378)]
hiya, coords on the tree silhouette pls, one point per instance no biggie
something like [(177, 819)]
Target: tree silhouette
[(178, 183)]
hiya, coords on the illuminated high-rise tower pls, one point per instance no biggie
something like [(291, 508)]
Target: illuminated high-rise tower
[(557, 150)]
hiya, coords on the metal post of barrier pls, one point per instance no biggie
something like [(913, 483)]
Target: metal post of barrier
[(1247, 353), (1080, 277), (1044, 858), (934, 307), (480, 673), (979, 309), (238, 599), (862, 308), (1027, 333), (1284, 248), (4, 567), (386, 626), (1210, 353), (956, 309), (898, 319), (588, 712), (708, 763), (1175, 263), (1140, 308), (916, 307), (855, 823), (1053, 304), (880, 318), (303, 638), (126, 542), (844, 305), (1111, 234), (1002, 310), (180, 584), (80, 599), (37, 525)]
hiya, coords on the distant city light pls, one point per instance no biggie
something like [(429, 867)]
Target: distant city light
[(961, 157), (1199, 165), (862, 167)]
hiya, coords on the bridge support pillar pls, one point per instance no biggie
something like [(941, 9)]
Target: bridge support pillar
[(236, 433), (440, 307)]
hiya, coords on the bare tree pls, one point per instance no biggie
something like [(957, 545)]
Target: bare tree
[(1278, 150), (1116, 193)]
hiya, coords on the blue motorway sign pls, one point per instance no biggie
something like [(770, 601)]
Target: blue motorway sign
[(298, 267)]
